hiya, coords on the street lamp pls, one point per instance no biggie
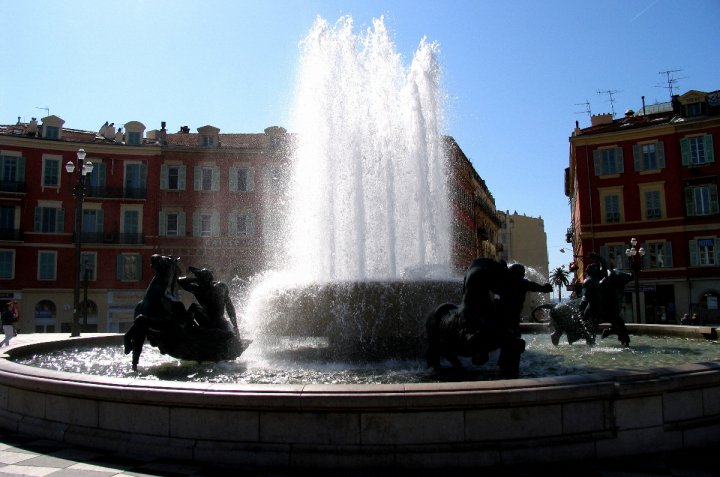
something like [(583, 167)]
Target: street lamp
[(79, 192), (635, 258)]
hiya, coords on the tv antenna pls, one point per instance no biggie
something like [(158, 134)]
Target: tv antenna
[(610, 94), (587, 108), (45, 108), (671, 80)]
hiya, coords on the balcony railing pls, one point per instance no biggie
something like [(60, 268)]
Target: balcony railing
[(11, 234), (112, 237), (12, 186), (117, 192)]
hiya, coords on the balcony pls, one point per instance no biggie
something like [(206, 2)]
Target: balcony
[(12, 186), (117, 192), (112, 237), (11, 234)]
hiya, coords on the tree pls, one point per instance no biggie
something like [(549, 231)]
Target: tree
[(559, 279)]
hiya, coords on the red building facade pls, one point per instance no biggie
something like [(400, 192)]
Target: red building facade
[(215, 200), (653, 176)]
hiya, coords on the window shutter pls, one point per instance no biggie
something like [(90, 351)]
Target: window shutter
[(667, 254), (598, 162), (195, 224), (215, 186), (119, 267), (619, 161), (689, 202), (215, 225), (713, 199), (251, 225), (660, 154), (685, 151), (694, 260), (198, 178), (232, 184), (38, 219), (100, 220), (251, 179), (21, 169), (164, 177), (143, 176), (163, 224), (716, 247), (181, 224), (709, 153), (181, 177), (232, 224), (637, 157), (59, 220)]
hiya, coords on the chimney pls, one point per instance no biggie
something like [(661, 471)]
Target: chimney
[(600, 119), (643, 101), (185, 130), (162, 137)]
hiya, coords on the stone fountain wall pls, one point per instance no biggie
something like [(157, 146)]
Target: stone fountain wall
[(464, 424)]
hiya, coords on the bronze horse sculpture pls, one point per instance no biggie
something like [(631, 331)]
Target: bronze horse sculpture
[(199, 333), (475, 327)]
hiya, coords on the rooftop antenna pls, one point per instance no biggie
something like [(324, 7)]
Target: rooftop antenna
[(587, 108), (610, 93), (45, 108), (671, 80)]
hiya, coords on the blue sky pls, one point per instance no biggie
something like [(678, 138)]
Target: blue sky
[(516, 73)]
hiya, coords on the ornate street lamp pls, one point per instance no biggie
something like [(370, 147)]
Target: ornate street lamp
[(635, 258), (79, 192)]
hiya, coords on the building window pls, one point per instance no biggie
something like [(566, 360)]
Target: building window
[(47, 265), (242, 179), (704, 252), (135, 180), (172, 177), (653, 205), (129, 267), (51, 132), (133, 138), (242, 224), (658, 255), (612, 209), (649, 157), (205, 224), (7, 222), (208, 141), (51, 172), (207, 178), (608, 161), (614, 255), (172, 224), (7, 264), (92, 225), (701, 199), (49, 219), (697, 150)]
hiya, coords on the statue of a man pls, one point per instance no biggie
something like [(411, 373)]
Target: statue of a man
[(213, 300)]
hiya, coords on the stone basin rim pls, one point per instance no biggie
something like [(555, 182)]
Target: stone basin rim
[(384, 395)]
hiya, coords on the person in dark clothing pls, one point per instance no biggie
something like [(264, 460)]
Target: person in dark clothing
[(7, 318)]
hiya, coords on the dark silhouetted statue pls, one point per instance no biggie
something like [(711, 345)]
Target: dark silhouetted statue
[(200, 333), (481, 322), (601, 302)]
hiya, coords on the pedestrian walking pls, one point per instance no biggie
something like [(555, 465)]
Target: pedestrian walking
[(8, 318)]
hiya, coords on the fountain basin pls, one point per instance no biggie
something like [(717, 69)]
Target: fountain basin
[(439, 425)]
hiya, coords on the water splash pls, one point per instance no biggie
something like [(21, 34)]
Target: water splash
[(368, 191)]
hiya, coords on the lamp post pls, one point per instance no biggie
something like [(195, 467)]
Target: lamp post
[(635, 257), (79, 192)]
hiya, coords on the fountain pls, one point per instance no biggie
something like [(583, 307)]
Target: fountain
[(369, 130)]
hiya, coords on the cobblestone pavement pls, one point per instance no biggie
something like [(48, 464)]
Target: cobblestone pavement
[(29, 456)]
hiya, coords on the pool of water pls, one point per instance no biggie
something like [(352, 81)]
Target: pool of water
[(304, 361)]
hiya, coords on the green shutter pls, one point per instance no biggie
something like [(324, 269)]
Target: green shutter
[(251, 179), (195, 224), (713, 199), (709, 153), (619, 160), (164, 177), (215, 186), (232, 179), (38, 220), (637, 157), (143, 176), (181, 224), (59, 220), (198, 178), (215, 225), (685, 151), (689, 202), (660, 154), (181, 177), (597, 159), (21, 169), (694, 259), (163, 224)]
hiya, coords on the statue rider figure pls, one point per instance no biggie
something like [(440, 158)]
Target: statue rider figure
[(213, 300)]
